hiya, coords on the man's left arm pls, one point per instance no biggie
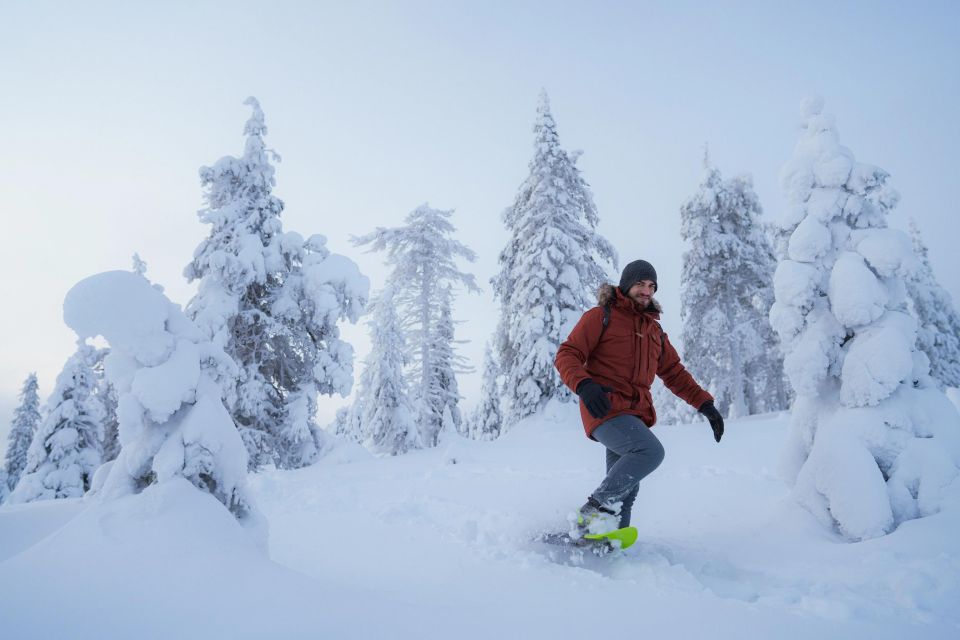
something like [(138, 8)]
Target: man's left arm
[(676, 378)]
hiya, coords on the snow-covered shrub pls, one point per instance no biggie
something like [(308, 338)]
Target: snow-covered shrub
[(172, 421)]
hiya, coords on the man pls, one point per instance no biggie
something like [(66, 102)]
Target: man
[(609, 360)]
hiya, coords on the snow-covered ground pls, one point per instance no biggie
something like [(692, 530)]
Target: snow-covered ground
[(437, 544)]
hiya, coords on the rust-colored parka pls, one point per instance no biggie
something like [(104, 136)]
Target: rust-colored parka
[(631, 350)]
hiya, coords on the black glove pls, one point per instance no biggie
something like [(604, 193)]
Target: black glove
[(594, 397), (716, 420)]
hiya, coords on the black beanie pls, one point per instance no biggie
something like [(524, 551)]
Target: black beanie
[(635, 272)]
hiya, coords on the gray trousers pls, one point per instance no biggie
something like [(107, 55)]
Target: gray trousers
[(632, 453)]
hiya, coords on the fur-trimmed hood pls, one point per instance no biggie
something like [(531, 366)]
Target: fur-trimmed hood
[(607, 295)]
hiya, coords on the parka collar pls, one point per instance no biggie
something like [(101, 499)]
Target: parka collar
[(610, 295)]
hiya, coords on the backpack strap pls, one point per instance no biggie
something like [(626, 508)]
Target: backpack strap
[(663, 340), (606, 319)]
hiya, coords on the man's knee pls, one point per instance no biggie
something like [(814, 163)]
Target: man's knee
[(651, 449), (657, 453)]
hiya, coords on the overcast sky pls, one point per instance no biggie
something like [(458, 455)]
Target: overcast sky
[(110, 108)]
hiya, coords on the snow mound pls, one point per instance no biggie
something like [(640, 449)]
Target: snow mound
[(170, 561)]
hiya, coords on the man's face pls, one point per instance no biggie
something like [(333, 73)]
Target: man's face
[(641, 292)]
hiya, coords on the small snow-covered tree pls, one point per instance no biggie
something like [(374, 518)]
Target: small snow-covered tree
[(422, 254), (444, 400), (173, 423), (550, 269), (385, 416), (110, 446), (272, 301), (726, 295), (66, 448), (139, 266), (26, 419), (487, 420), (939, 332), (111, 423), (873, 441), (670, 408), (346, 423)]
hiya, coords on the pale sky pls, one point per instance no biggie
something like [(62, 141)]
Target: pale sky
[(111, 108)]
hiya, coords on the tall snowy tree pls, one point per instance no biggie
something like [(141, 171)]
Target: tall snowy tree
[(66, 448), (487, 419), (550, 269), (422, 254), (26, 419), (272, 301), (173, 423), (873, 442), (385, 418), (726, 295), (939, 334)]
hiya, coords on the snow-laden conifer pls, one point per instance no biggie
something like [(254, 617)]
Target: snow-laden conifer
[(873, 441), (423, 254), (726, 295), (173, 423), (26, 419), (443, 401), (383, 413), (272, 301), (66, 448), (107, 396), (139, 266), (549, 272), (111, 422), (939, 331), (487, 419)]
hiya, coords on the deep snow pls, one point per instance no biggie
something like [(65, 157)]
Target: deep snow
[(437, 544)]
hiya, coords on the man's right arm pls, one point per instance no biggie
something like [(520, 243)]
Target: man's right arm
[(574, 351)]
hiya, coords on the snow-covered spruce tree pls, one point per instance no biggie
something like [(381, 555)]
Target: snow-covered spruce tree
[(26, 419), (939, 332), (873, 441), (346, 423), (726, 295), (111, 422), (670, 408), (422, 254), (385, 419), (139, 266), (487, 420), (272, 301), (66, 448), (446, 364), (173, 423), (550, 269)]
